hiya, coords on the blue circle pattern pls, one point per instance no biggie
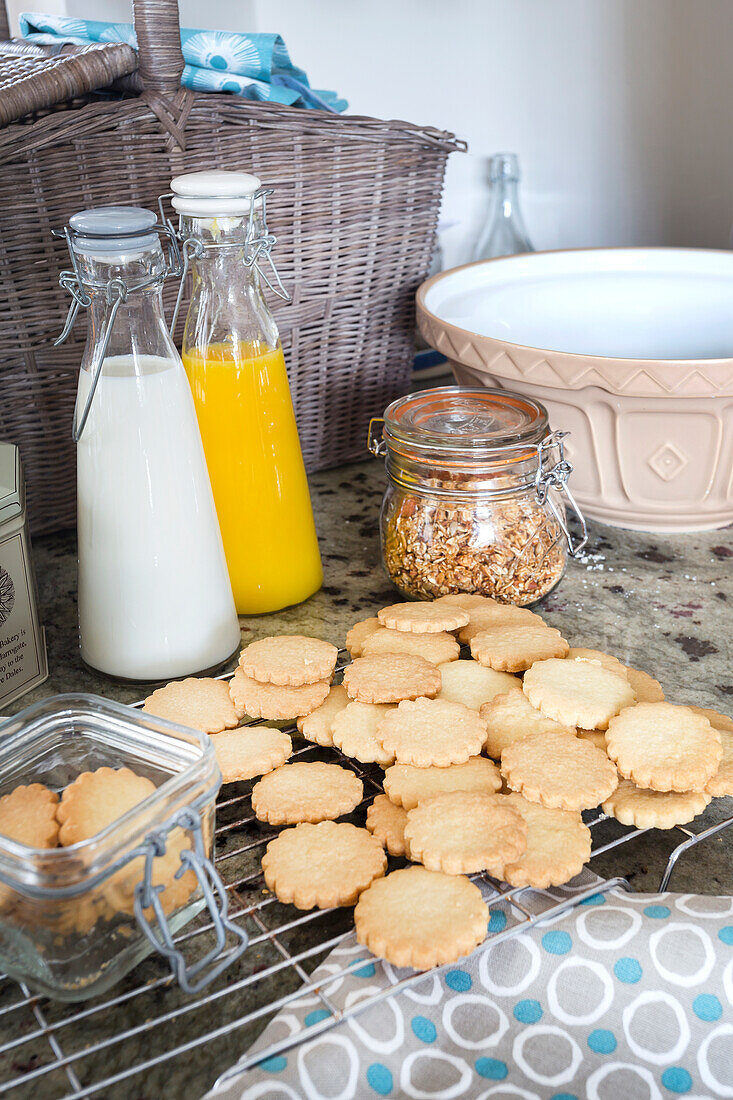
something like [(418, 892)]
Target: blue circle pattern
[(706, 1006), (491, 1068), (316, 1016), (528, 1012), (594, 899), (601, 1041), (677, 1079), (379, 1078), (424, 1029), (557, 943), (564, 1096), (276, 1064), (627, 970), (497, 921), (657, 912), (460, 981), (367, 971), (726, 934)]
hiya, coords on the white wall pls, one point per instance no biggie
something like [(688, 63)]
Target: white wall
[(620, 110)]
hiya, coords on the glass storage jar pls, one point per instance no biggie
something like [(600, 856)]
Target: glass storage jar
[(476, 496), (75, 919)]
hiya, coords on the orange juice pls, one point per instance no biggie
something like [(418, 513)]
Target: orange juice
[(250, 438)]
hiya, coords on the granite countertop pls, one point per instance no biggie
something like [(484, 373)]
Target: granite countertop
[(658, 602)]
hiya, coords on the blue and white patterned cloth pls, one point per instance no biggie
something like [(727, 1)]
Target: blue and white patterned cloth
[(255, 66), (626, 996)]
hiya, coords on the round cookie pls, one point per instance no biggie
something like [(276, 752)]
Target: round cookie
[(289, 660), (431, 732), (664, 747), (425, 617), (252, 750), (406, 786), (309, 792), (201, 704), (419, 918), (577, 693), (472, 684), (721, 783), (436, 648), (559, 771), (273, 701), (386, 822), (358, 635), (389, 678), (28, 816), (97, 798), (469, 602), (558, 846), (646, 809), (646, 688), (496, 614), (318, 725), (355, 729), (323, 865), (515, 646), (511, 717), (461, 832), (595, 656)]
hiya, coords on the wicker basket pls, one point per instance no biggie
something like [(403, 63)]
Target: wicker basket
[(355, 212)]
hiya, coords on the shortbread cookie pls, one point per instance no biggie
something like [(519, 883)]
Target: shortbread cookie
[(468, 601), (306, 792), (358, 635), (558, 845), (512, 647), (577, 693), (406, 786), (431, 732), (95, 799), (596, 737), (273, 701), (390, 677), (420, 918), (472, 684), (320, 866), (289, 660), (318, 725), (664, 747), (355, 729), (201, 704), (496, 614), (646, 688), (721, 783), (461, 832), (510, 717), (595, 656), (423, 618), (436, 648), (250, 751), (632, 805), (386, 822), (28, 816), (559, 771)]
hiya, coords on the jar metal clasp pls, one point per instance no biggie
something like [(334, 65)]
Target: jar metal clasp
[(375, 443), (554, 475)]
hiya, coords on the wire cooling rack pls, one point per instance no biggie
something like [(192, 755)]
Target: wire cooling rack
[(122, 1047)]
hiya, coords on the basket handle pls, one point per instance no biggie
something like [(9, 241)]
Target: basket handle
[(159, 45)]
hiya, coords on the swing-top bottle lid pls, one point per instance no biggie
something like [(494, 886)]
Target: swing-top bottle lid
[(214, 194), (112, 229)]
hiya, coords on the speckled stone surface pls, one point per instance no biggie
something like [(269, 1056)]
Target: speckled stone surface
[(660, 603)]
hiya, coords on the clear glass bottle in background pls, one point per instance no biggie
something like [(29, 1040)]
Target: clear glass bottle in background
[(155, 600), (504, 233), (236, 368)]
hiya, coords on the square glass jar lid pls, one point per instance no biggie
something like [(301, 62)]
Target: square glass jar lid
[(459, 419), (54, 741)]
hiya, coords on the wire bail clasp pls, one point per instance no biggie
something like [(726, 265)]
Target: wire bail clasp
[(556, 476), (262, 245)]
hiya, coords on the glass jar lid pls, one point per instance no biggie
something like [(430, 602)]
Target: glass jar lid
[(465, 421)]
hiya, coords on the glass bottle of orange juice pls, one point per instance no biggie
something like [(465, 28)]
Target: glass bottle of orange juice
[(236, 369)]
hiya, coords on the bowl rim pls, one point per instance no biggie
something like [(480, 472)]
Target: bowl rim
[(579, 357)]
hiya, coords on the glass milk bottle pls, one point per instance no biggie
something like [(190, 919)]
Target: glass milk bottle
[(155, 601), (235, 365)]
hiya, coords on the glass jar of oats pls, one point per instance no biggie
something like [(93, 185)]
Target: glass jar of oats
[(477, 495)]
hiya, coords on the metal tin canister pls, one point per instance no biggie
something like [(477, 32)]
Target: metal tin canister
[(23, 663)]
